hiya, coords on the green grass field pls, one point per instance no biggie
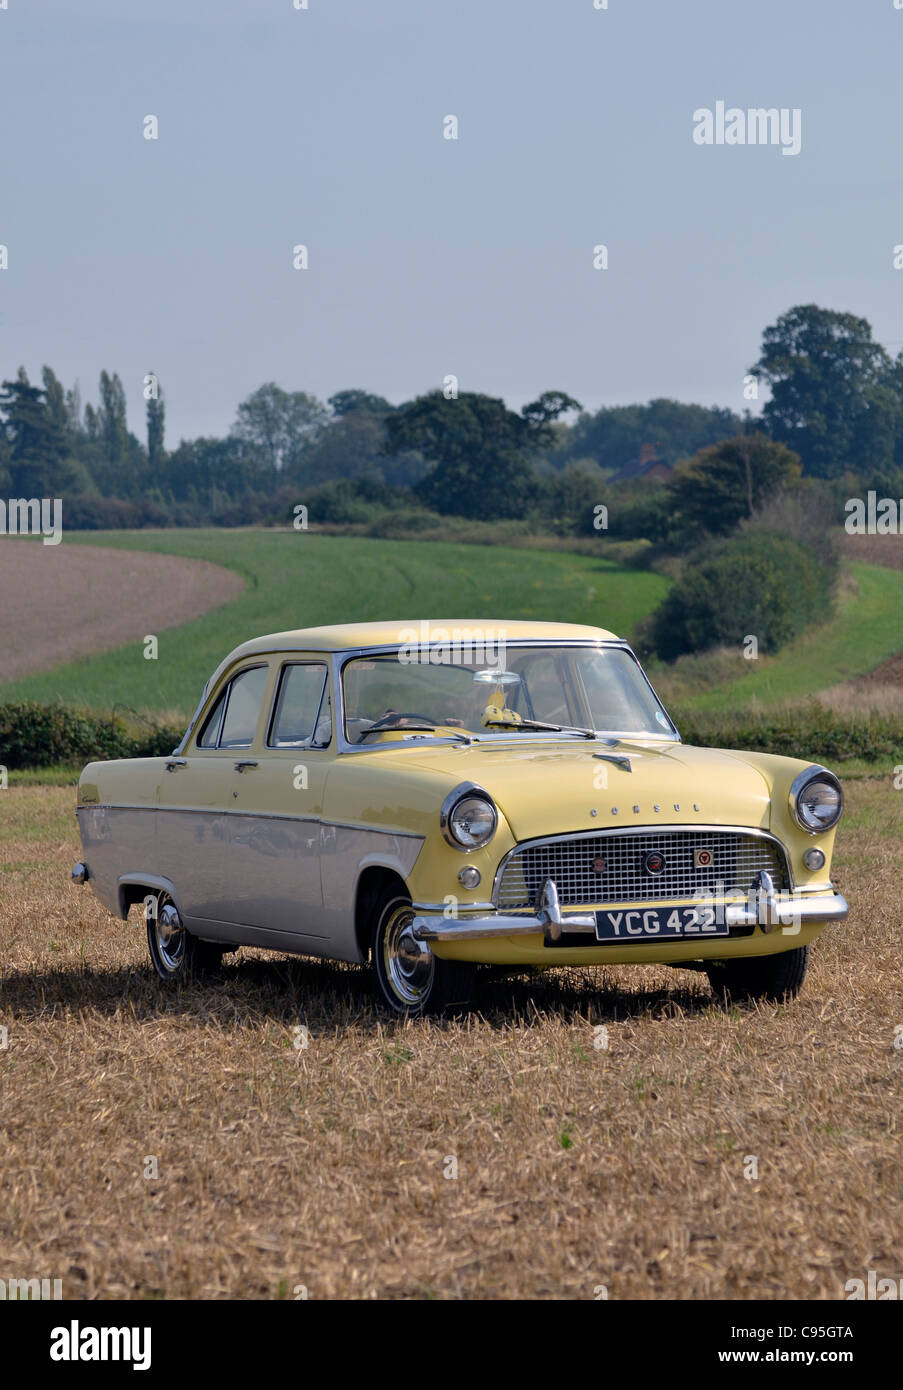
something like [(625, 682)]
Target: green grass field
[(866, 628), (299, 580)]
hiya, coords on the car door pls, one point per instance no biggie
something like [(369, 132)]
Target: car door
[(273, 849), (195, 797)]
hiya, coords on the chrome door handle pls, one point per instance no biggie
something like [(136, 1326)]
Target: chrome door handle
[(243, 763), (173, 764)]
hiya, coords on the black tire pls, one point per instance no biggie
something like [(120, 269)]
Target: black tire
[(176, 955), (772, 978), (411, 980)]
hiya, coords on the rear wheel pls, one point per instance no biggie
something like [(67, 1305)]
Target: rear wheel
[(411, 979), (175, 954), (772, 978)]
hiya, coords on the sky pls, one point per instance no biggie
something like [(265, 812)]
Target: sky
[(430, 257)]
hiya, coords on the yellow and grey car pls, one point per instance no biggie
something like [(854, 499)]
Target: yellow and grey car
[(436, 796)]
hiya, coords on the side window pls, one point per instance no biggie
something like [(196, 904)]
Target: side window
[(243, 708), (298, 721)]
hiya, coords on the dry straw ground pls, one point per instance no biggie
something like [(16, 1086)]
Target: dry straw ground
[(324, 1167)]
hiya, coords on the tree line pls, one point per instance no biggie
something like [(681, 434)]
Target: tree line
[(835, 399)]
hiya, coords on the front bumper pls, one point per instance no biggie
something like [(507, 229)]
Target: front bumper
[(763, 909)]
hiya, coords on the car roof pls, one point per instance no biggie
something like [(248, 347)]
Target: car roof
[(350, 636)]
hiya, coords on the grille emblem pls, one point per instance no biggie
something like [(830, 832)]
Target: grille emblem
[(703, 859), (654, 862), (599, 866)]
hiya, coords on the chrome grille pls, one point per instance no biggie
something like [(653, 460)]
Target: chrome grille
[(737, 858)]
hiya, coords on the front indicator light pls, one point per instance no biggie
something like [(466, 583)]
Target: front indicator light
[(814, 859)]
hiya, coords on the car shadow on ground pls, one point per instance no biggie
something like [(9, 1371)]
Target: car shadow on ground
[(333, 995)]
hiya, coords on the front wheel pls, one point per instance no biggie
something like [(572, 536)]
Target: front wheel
[(771, 978), (411, 979), (175, 954)]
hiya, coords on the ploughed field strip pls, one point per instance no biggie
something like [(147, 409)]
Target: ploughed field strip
[(601, 1121), (61, 602)]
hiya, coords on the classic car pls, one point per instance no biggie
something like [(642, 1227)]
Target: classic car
[(441, 796)]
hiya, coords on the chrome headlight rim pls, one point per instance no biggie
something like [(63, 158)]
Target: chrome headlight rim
[(463, 792), (814, 773)]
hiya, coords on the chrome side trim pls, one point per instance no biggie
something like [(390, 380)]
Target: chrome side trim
[(373, 829), (462, 908), (248, 815)]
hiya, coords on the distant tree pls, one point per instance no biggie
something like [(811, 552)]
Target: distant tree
[(573, 493), (480, 451), (352, 446), (614, 435), (344, 402), (541, 413), (113, 460), (37, 458), (210, 472), (834, 395), (74, 411), (156, 428), (55, 403), (279, 425), (723, 484)]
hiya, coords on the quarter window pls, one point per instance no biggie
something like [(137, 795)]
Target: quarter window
[(209, 735)]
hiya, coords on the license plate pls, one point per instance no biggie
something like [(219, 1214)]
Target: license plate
[(659, 924)]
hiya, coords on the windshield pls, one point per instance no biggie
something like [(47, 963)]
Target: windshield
[(529, 690)]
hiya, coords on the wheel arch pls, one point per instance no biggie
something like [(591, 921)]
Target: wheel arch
[(134, 888), (373, 882)]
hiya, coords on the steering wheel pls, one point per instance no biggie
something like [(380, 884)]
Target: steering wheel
[(389, 719)]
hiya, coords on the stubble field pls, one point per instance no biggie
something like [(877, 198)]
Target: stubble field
[(202, 1144)]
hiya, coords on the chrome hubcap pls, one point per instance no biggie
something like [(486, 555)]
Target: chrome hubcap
[(409, 964), (169, 934)]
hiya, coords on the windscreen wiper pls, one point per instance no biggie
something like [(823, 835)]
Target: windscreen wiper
[(536, 724), (417, 729)]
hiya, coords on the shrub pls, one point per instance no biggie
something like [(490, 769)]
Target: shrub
[(33, 735), (759, 583), (90, 513), (809, 731)]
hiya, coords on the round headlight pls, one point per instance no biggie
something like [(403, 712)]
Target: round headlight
[(472, 822), (816, 800), (468, 818)]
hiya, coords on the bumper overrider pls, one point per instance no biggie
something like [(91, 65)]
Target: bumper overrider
[(763, 907)]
